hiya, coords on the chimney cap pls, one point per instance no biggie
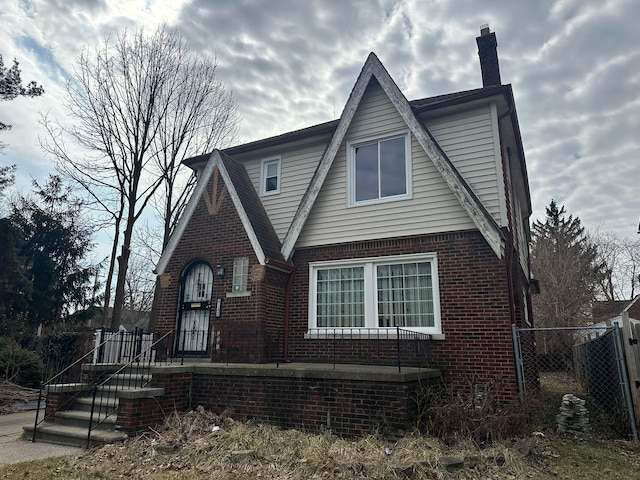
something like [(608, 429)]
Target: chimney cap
[(484, 29)]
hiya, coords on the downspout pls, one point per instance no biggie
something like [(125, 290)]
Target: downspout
[(287, 302), (291, 270), (510, 290)]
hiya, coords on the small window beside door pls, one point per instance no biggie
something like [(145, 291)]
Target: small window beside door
[(240, 276)]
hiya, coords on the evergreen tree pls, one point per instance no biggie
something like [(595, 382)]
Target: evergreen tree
[(52, 242), (11, 87), (564, 260)]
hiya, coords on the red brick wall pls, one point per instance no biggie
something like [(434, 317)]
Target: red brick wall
[(246, 327), (474, 299), (474, 305), (138, 414), (347, 407)]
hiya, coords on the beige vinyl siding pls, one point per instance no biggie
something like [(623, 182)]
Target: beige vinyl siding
[(296, 169), (468, 140), (432, 208)]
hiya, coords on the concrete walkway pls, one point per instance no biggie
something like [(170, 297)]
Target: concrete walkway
[(15, 449)]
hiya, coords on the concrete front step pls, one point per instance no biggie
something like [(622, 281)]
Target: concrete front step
[(50, 432), (104, 403), (80, 418), (70, 427)]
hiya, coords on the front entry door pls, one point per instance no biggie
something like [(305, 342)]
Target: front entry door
[(195, 308)]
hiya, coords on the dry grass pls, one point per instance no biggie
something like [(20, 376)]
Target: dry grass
[(192, 446), (11, 393)]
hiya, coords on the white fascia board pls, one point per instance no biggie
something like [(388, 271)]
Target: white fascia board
[(244, 218), (177, 233), (460, 188), (463, 192), (328, 156), (214, 161)]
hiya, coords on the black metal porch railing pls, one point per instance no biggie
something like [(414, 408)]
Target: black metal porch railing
[(136, 373), (366, 346), (122, 346), (370, 346), (62, 377), (135, 349)]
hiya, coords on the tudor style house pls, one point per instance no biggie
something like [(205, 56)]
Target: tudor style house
[(399, 214)]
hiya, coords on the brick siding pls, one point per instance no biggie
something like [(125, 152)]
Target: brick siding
[(474, 304), (474, 301)]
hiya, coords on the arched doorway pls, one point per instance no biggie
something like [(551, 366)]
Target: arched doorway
[(195, 308)]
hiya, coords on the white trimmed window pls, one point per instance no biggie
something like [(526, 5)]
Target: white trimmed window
[(380, 169), (270, 177), (240, 274), (381, 292)]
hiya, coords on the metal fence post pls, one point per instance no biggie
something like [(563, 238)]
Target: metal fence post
[(624, 383), (398, 348)]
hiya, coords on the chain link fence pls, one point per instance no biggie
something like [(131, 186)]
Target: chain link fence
[(575, 380)]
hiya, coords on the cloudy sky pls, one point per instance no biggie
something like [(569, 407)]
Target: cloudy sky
[(574, 66)]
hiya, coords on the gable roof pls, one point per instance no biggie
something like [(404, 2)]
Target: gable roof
[(607, 309), (328, 128), (245, 199), (460, 188)]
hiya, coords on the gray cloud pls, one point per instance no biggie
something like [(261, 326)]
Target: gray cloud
[(574, 66)]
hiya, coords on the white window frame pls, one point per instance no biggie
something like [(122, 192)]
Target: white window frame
[(351, 170), (263, 176), (241, 271), (371, 297)]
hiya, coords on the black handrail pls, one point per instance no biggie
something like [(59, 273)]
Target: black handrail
[(58, 375), (100, 387)]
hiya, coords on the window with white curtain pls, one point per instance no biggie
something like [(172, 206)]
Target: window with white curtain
[(381, 292)]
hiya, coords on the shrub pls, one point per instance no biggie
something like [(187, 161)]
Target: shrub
[(19, 365), (472, 414)]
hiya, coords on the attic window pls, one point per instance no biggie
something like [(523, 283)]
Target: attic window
[(380, 169), (270, 177)]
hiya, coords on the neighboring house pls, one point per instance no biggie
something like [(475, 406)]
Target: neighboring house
[(411, 214), (131, 319), (612, 310)]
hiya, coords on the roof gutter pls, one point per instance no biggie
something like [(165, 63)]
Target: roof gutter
[(510, 289)]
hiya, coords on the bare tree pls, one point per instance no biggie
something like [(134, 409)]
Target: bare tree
[(566, 263), (140, 105), (622, 259), (202, 115)]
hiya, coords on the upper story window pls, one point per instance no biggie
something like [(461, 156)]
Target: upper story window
[(380, 169), (270, 177)]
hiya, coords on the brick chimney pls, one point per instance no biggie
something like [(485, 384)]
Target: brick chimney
[(488, 53)]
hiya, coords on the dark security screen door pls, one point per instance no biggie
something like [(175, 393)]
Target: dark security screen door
[(193, 327)]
